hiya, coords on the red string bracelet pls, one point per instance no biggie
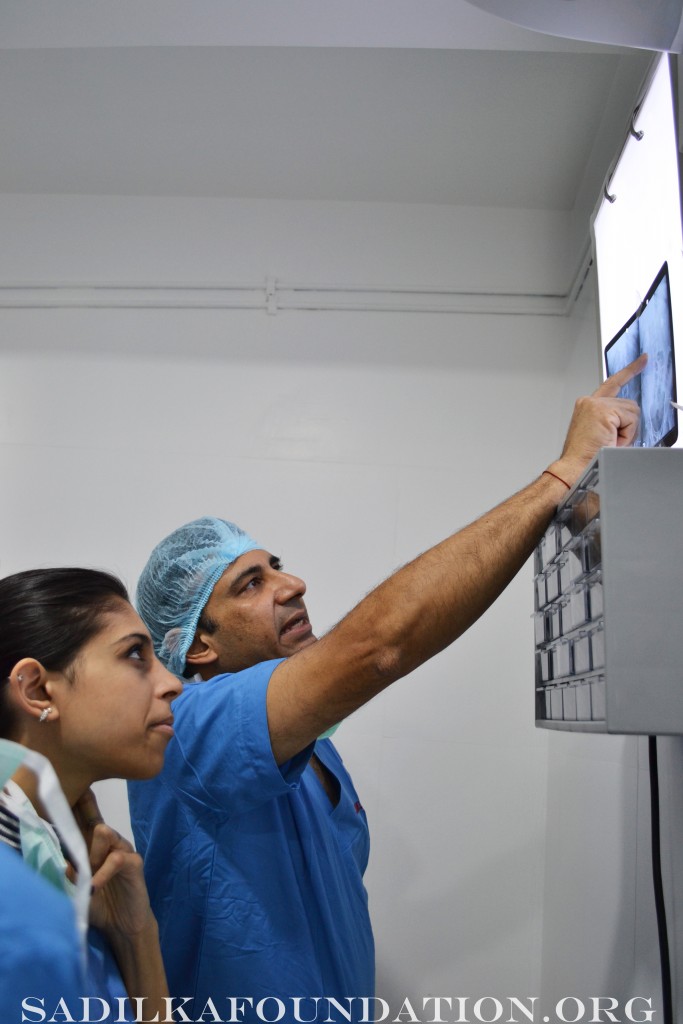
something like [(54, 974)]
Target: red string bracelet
[(550, 473)]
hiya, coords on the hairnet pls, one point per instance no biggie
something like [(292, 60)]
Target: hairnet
[(178, 579)]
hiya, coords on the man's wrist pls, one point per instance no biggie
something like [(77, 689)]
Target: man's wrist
[(566, 470), (549, 472)]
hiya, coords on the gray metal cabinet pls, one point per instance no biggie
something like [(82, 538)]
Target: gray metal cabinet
[(608, 594)]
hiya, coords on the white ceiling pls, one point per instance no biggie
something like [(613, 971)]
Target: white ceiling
[(374, 100)]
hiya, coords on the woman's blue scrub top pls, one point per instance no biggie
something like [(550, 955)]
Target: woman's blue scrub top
[(40, 957), (256, 879)]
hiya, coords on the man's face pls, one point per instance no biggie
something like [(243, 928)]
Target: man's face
[(259, 614)]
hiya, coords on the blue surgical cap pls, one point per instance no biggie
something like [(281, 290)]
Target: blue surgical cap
[(178, 580)]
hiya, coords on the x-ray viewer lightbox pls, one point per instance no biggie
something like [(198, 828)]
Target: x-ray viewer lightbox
[(638, 246), (650, 330)]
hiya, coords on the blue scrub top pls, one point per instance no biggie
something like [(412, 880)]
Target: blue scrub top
[(40, 955), (39, 951), (255, 878), (103, 979)]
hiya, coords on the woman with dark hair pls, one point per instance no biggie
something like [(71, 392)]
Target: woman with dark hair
[(81, 686)]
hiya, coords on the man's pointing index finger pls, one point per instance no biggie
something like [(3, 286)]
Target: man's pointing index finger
[(613, 385)]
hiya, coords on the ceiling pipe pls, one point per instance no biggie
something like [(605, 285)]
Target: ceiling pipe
[(643, 24)]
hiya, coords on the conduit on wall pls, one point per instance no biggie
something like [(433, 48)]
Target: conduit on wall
[(274, 296)]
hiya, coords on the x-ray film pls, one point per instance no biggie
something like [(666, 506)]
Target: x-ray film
[(650, 330)]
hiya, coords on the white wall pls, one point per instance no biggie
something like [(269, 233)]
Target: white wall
[(110, 239), (346, 442)]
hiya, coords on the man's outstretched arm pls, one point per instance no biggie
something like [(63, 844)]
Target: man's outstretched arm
[(429, 603)]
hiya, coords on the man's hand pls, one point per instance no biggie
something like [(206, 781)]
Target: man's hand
[(600, 420)]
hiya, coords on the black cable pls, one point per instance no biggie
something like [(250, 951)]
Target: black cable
[(667, 1002)]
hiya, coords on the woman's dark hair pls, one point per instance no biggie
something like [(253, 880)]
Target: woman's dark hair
[(49, 615)]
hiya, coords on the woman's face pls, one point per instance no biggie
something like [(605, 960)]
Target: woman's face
[(112, 710)]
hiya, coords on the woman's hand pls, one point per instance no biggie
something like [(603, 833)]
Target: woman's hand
[(119, 903), (120, 908)]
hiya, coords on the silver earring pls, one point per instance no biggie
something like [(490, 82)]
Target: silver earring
[(20, 678), (44, 714)]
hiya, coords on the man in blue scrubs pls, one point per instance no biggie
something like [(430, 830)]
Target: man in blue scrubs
[(254, 839)]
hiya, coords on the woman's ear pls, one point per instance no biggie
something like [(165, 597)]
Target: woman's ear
[(33, 690)]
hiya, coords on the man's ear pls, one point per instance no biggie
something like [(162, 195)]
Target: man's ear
[(201, 651), (32, 689)]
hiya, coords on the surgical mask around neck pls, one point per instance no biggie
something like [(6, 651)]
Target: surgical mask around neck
[(39, 847)]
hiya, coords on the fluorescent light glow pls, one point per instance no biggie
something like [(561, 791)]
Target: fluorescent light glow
[(641, 229)]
